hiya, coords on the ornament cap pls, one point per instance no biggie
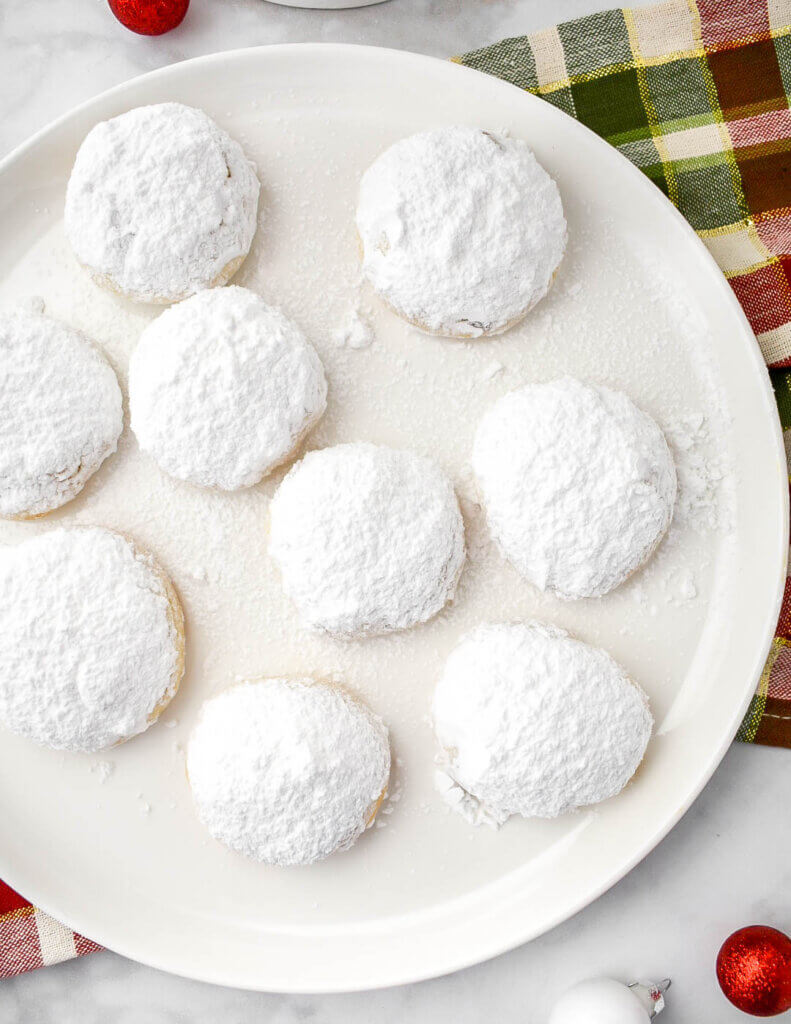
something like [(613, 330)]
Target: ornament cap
[(651, 995)]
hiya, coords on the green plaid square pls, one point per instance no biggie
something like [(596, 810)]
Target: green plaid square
[(511, 60), (696, 163), (562, 98), (781, 382), (595, 42), (707, 198), (612, 106), (658, 174), (643, 152), (752, 719), (783, 51), (677, 92)]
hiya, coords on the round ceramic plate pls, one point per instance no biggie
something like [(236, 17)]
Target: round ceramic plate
[(110, 843)]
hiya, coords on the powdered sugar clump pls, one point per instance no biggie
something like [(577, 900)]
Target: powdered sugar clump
[(578, 484), (287, 771), (354, 332), (161, 203), (102, 770), (60, 413), (368, 539), (704, 474), (91, 639), (462, 230), (222, 388), (534, 722)]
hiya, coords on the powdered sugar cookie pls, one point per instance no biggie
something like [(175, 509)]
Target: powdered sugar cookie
[(534, 722), (462, 230), (222, 388), (287, 771), (161, 203), (578, 484), (60, 414), (368, 539), (91, 639)]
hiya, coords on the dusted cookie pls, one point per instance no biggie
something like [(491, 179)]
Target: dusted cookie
[(287, 771), (368, 539), (161, 203), (578, 484), (223, 388), (60, 414), (462, 230), (91, 639), (534, 722)]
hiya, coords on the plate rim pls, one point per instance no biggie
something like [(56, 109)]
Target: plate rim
[(485, 948)]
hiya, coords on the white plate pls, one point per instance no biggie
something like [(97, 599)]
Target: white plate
[(638, 303)]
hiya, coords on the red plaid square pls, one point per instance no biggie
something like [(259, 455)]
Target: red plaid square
[(780, 676), (721, 24), (775, 233), (19, 943), (765, 296), (770, 126)]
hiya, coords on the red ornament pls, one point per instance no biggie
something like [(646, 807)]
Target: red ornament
[(149, 17), (754, 970)]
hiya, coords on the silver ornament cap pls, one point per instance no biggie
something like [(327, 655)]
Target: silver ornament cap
[(651, 995)]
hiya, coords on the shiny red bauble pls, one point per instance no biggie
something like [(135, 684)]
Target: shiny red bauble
[(754, 970), (149, 17)]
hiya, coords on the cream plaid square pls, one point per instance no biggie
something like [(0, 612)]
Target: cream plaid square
[(779, 14), (775, 344), (737, 251), (549, 57), (57, 941), (666, 29), (702, 140)]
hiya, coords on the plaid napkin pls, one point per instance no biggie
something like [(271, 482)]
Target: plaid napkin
[(695, 94), (30, 938)]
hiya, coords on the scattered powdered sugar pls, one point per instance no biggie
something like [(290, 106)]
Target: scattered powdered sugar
[(577, 482), (679, 586), (368, 539), (102, 770), (462, 230), (91, 647), (534, 722), (287, 771), (60, 413), (354, 332), (704, 476), (222, 388), (161, 202)]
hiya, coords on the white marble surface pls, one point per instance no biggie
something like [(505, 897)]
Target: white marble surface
[(725, 865)]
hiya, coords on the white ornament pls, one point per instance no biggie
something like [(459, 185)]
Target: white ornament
[(605, 1001)]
